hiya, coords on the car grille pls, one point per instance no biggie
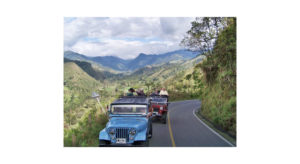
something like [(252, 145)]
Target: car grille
[(155, 109), (122, 133)]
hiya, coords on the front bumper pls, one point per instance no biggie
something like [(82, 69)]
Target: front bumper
[(109, 144), (156, 114)]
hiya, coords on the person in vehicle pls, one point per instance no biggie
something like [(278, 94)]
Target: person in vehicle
[(163, 92), (140, 92), (155, 93), (130, 92)]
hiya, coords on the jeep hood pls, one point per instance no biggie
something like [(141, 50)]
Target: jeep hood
[(139, 123)]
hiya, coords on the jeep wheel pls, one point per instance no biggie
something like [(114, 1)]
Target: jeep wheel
[(164, 118), (150, 132), (141, 143), (102, 143), (146, 143)]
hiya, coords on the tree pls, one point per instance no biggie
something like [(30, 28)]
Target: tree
[(148, 84), (157, 84), (188, 77), (203, 34)]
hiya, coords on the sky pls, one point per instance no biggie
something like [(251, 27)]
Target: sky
[(124, 37)]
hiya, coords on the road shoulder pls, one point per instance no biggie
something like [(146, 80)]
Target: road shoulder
[(228, 139)]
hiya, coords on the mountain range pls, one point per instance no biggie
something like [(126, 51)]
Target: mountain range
[(142, 60)]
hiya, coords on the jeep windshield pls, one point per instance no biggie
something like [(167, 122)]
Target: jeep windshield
[(129, 109), (159, 100)]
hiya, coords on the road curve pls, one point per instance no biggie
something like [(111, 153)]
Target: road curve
[(185, 129)]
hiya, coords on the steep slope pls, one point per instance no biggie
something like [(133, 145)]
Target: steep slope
[(87, 67), (77, 84), (82, 115), (100, 63), (216, 80)]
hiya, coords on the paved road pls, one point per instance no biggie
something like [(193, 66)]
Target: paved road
[(184, 129)]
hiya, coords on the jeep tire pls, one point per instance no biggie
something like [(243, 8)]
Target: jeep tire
[(146, 143), (150, 132), (164, 118), (102, 143)]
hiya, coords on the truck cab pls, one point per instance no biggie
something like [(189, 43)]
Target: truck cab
[(129, 123)]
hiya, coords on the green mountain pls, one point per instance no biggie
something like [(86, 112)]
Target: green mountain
[(162, 72), (78, 86), (118, 64), (153, 59), (170, 75), (88, 68), (73, 56), (83, 116)]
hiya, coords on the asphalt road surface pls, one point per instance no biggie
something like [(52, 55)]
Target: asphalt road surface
[(184, 129)]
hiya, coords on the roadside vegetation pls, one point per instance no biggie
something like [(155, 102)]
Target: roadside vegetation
[(82, 115), (215, 76)]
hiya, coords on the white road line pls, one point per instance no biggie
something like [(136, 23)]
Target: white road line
[(212, 129)]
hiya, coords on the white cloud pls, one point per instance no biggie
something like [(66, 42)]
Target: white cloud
[(123, 49), (124, 37)]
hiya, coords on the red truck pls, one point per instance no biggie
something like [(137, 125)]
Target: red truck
[(159, 104)]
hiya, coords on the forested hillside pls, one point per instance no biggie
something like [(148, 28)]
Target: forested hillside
[(82, 115), (170, 75), (215, 77), (88, 68)]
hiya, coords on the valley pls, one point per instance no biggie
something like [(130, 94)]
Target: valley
[(83, 76)]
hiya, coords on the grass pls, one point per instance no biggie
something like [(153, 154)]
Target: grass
[(219, 105)]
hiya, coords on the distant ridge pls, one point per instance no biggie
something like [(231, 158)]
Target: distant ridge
[(140, 61)]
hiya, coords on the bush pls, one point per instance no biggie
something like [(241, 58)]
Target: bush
[(87, 132)]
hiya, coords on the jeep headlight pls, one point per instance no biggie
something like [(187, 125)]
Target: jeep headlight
[(132, 132), (112, 131), (161, 108)]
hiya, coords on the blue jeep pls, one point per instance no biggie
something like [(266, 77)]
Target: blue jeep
[(129, 123)]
